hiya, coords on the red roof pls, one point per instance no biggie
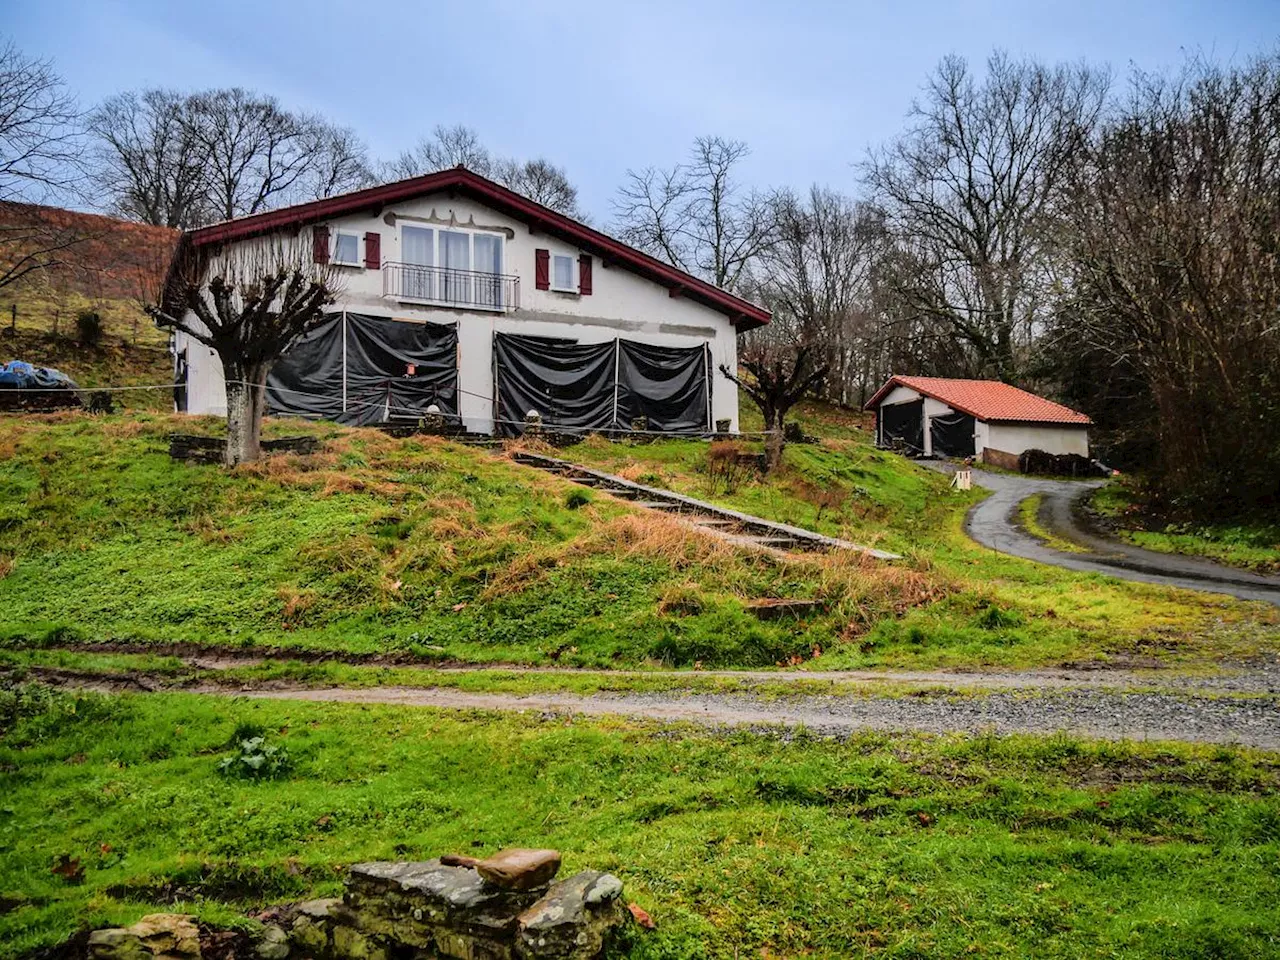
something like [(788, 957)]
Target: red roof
[(988, 400), (744, 314)]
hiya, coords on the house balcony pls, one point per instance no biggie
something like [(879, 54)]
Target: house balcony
[(448, 287)]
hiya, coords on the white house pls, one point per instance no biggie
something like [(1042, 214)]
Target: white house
[(460, 293), (939, 417)]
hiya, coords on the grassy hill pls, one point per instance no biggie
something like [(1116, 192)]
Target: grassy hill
[(421, 548), (738, 843), (111, 269)]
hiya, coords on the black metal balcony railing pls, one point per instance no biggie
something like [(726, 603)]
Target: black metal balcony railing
[(445, 285)]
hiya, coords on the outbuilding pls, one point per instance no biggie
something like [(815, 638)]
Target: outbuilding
[(941, 417)]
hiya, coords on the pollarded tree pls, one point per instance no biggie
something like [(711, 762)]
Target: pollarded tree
[(248, 303), (781, 376)]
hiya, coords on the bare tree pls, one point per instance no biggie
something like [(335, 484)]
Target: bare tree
[(459, 146), (447, 147), (248, 303), (256, 153), (541, 181), (696, 215), (1174, 319), (39, 129), (781, 376), (149, 161), (816, 280), (971, 191), (39, 158), (339, 161)]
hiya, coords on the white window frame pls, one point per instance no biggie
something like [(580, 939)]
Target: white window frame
[(573, 272), (337, 235), (436, 230)]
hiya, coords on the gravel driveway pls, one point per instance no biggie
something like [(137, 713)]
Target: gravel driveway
[(1107, 714), (993, 523)]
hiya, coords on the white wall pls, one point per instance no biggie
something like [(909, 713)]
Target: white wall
[(1051, 438), (621, 304)]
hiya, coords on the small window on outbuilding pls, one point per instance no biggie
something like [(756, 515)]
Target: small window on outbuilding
[(346, 249)]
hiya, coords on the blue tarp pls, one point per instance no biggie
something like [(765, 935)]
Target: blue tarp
[(18, 375)]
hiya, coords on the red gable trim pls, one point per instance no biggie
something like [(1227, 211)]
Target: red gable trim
[(988, 400), (744, 314)]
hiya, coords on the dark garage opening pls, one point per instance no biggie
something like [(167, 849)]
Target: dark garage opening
[(903, 422), (952, 435)]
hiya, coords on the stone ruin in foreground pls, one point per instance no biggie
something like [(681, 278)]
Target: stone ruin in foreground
[(505, 907)]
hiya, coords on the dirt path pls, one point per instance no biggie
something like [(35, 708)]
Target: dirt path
[(1262, 676), (1252, 721), (993, 524)]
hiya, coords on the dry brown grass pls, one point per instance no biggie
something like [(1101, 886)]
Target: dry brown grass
[(124, 429), (295, 602), (655, 535), (7, 563), (203, 526)]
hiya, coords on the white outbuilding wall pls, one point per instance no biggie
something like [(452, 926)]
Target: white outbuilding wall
[(621, 304), (1016, 437)]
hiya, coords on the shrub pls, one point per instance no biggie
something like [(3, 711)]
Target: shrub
[(256, 760), (89, 328)]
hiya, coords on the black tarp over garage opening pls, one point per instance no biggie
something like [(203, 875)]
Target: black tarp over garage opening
[(354, 369), (600, 386), (904, 422), (569, 384), (952, 435)]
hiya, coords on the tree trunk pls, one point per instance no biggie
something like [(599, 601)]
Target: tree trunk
[(774, 442), (246, 400)]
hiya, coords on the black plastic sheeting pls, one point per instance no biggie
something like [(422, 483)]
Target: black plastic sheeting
[(903, 421), (952, 436), (568, 384), (600, 386), (669, 386), (308, 380)]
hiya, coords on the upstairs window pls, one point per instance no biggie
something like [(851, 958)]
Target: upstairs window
[(564, 274), (346, 249)]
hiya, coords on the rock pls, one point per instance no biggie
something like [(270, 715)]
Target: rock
[(520, 869), (163, 936), (575, 920), (272, 943), (433, 906)]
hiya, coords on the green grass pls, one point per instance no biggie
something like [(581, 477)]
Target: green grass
[(1255, 546), (1029, 520), (426, 549), (737, 844)]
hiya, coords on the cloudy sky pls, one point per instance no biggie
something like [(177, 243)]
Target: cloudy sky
[(600, 88)]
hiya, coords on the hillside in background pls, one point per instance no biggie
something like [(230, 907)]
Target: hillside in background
[(111, 269)]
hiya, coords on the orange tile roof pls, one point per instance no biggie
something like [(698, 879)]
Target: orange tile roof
[(986, 400)]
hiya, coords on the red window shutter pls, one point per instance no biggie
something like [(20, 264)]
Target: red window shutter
[(584, 275), (372, 251), (542, 269), (320, 244)]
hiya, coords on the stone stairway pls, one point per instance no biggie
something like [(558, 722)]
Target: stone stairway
[(741, 528)]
